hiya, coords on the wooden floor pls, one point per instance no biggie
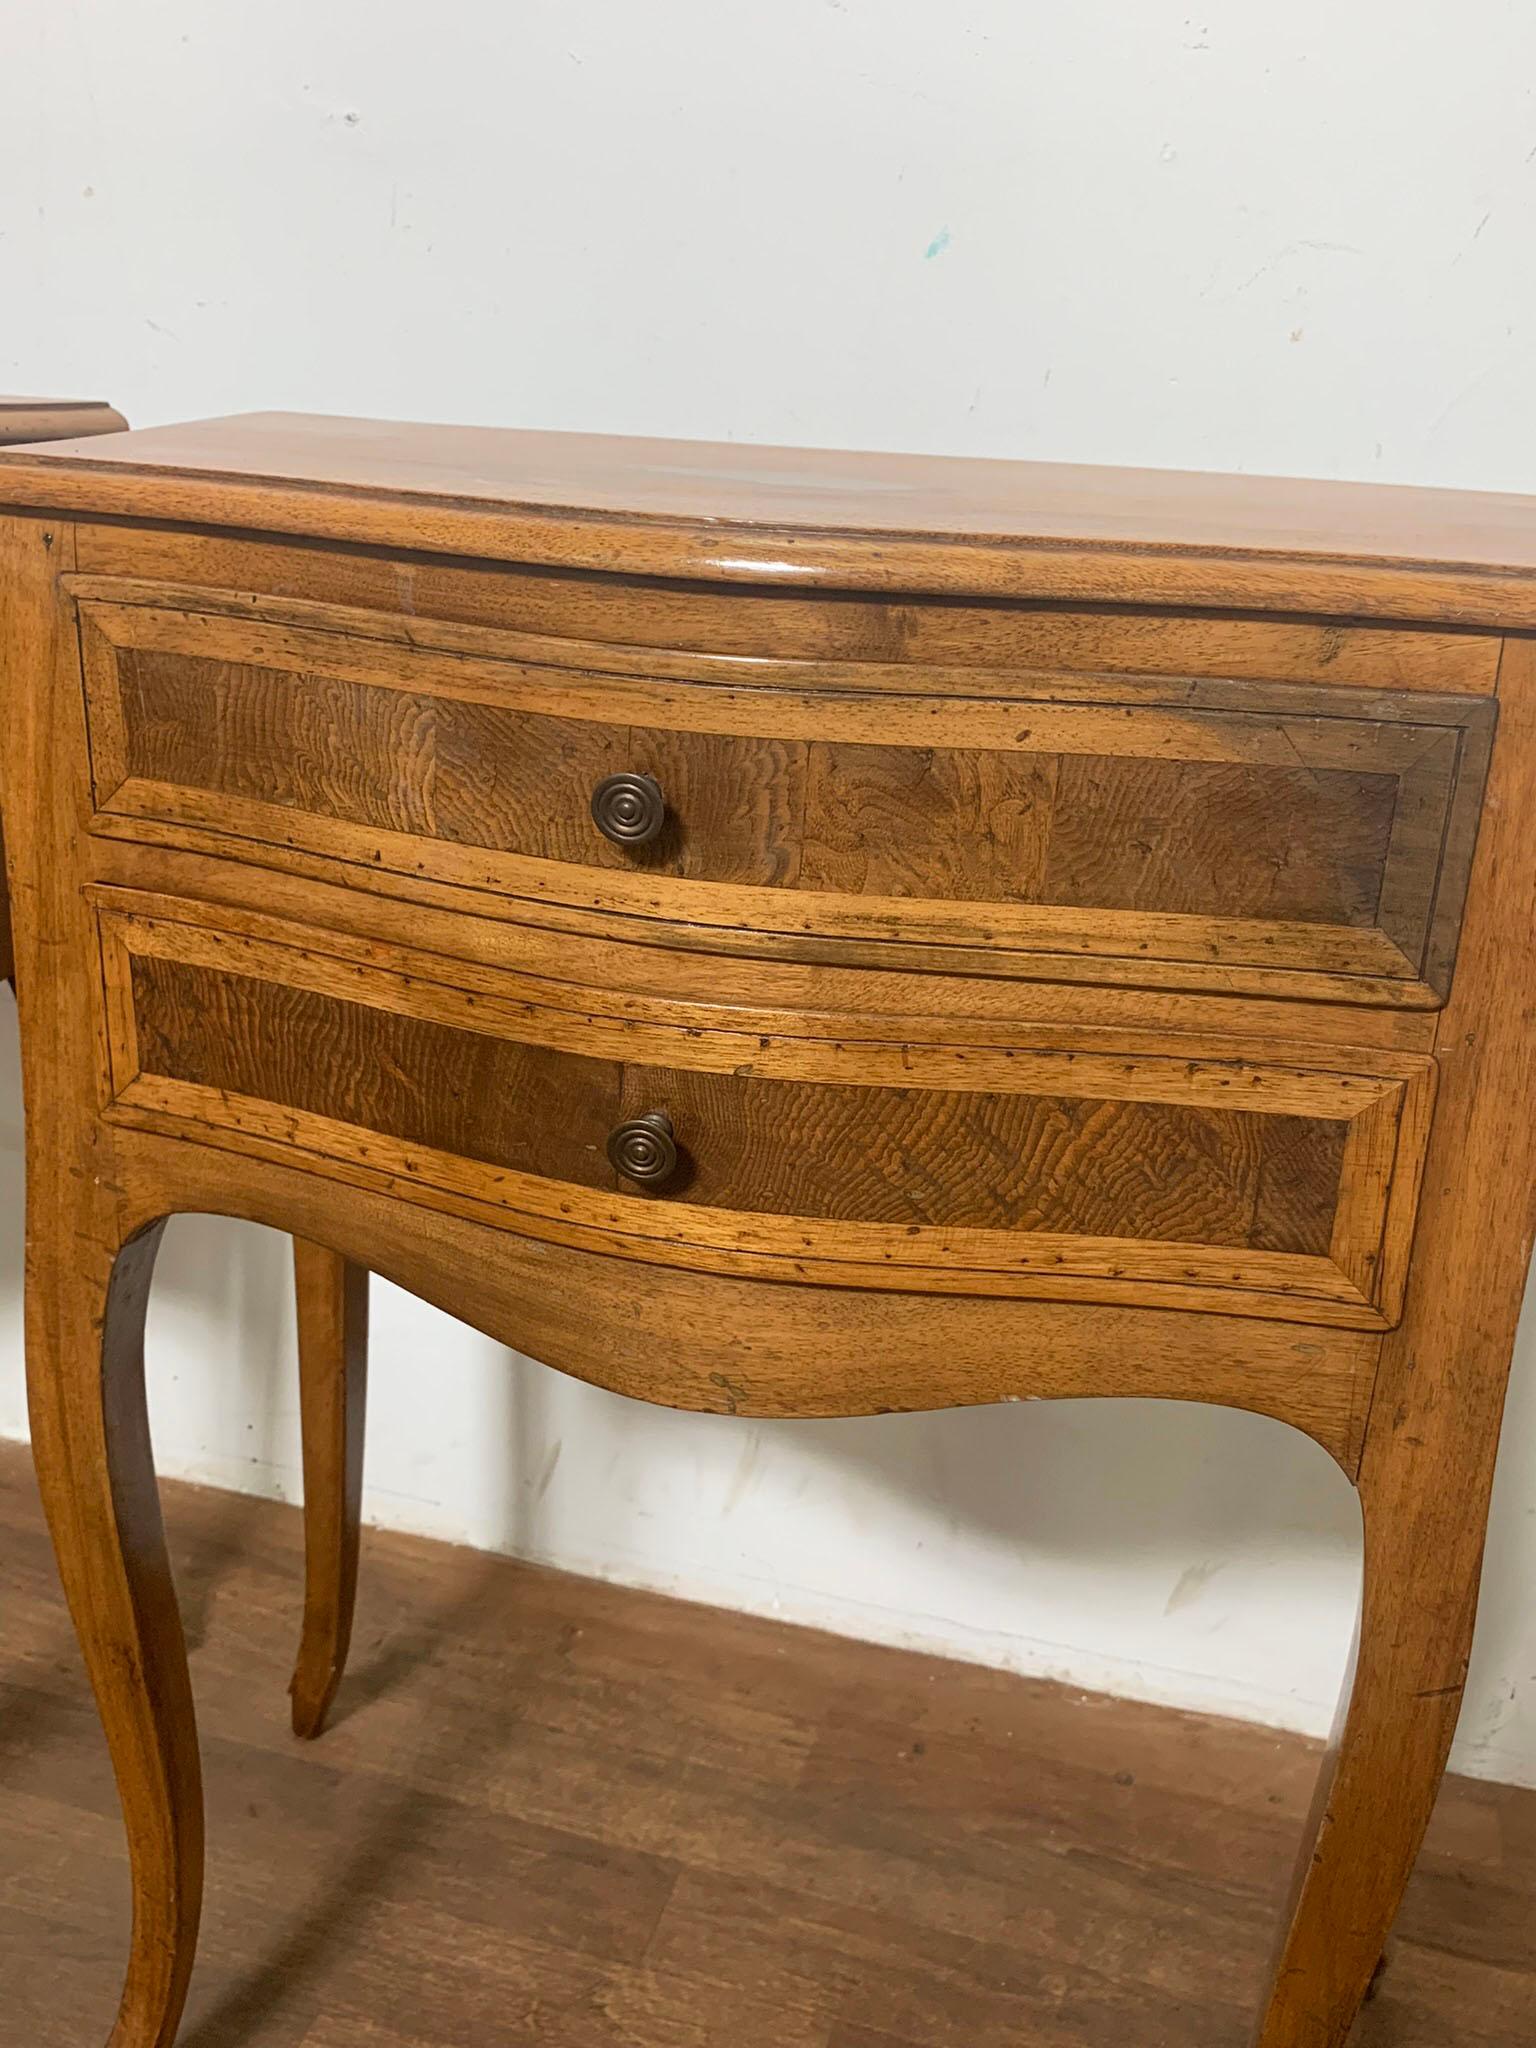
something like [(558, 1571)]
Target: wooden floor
[(553, 1812)]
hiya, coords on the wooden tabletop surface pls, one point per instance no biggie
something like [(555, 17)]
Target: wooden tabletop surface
[(822, 490), (785, 516), (45, 419)]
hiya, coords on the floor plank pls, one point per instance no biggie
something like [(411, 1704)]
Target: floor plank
[(557, 1812)]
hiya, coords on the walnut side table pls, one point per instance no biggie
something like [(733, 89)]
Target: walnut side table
[(788, 934)]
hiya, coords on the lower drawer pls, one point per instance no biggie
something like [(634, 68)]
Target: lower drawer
[(1054, 1162)]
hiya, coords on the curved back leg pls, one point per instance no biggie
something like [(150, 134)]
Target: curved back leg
[(332, 1296)]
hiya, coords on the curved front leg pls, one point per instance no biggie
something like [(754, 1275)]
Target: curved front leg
[(1382, 1774), (1426, 1471), (332, 1296), (90, 1434)]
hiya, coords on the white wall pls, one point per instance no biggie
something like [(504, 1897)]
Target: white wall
[(1250, 237)]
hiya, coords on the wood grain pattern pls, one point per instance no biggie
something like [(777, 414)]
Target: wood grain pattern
[(1033, 960), (778, 490), (43, 419), (1082, 713), (86, 1296), (736, 1347), (331, 1485), (1204, 837), (951, 824), (1007, 1265), (833, 1041), (521, 1106), (965, 825), (1059, 1165), (427, 917)]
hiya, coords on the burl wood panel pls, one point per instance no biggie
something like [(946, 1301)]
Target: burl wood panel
[(521, 1106), (1305, 843), (1258, 824), (1149, 1170), (955, 824), (1162, 1172), (473, 774)]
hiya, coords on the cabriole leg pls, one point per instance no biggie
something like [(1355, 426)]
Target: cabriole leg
[(90, 1432), (1383, 1771)]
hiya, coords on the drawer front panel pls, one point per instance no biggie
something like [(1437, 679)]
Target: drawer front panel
[(1167, 842), (464, 773), (1070, 1163), (1149, 1171), (1063, 1165), (1102, 832), (942, 823)]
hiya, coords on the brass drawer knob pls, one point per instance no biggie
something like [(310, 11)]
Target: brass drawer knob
[(644, 1149), (629, 809)]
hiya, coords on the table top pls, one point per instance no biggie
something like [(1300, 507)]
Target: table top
[(753, 512), (46, 419)]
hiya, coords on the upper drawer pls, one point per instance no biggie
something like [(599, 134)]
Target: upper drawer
[(1242, 836)]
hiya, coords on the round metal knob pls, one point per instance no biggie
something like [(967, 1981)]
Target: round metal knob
[(644, 1149), (629, 809)]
